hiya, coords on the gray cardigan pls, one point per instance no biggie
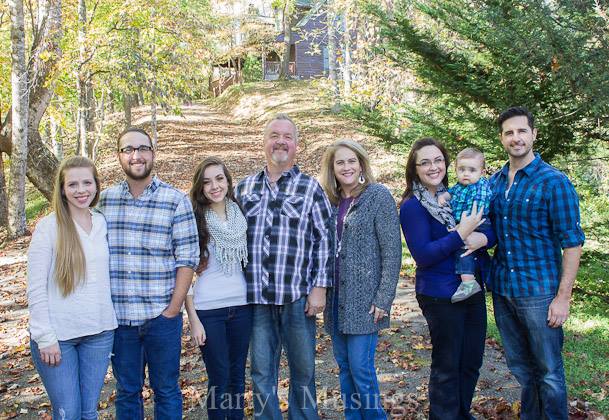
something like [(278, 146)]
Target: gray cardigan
[(370, 261)]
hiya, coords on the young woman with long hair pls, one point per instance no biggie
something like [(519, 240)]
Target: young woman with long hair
[(220, 318), (72, 319)]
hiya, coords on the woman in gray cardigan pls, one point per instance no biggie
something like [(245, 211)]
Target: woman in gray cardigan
[(365, 233)]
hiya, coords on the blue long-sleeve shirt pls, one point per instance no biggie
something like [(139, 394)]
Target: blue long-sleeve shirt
[(433, 248)]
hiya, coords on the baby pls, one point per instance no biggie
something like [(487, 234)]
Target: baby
[(471, 188)]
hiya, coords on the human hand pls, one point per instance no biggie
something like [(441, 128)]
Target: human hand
[(470, 222), (169, 312), (558, 311), (444, 198), (51, 355), (316, 301), (378, 313), (473, 242), (197, 332)]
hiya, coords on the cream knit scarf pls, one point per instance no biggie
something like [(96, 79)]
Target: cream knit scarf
[(230, 238)]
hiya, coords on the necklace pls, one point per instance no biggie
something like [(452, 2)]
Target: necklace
[(339, 242)]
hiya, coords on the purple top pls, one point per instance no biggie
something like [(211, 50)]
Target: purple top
[(432, 246), (343, 207)]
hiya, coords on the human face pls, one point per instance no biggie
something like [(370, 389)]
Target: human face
[(517, 137), (79, 188), (136, 165), (215, 184), (280, 143), (469, 170), (346, 168), (431, 167)]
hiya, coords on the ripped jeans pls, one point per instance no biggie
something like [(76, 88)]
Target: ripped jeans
[(75, 384)]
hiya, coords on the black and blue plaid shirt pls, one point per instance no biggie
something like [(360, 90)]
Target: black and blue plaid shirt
[(534, 221), (287, 236)]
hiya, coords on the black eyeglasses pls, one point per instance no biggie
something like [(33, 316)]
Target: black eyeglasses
[(129, 150)]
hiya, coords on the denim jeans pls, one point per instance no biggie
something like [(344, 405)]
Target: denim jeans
[(354, 354), (469, 263), (228, 332), (156, 343), (457, 333), (533, 354), (274, 327), (74, 385)]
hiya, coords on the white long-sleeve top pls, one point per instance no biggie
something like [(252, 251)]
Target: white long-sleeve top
[(88, 309), (216, 289)]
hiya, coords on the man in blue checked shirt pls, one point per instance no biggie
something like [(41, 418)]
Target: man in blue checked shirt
[(154, 249), (287, 274), (535, 214)]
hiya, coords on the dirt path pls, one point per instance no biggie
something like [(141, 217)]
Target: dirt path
[(403, 352)]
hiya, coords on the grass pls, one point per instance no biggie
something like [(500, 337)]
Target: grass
[(35, 205)]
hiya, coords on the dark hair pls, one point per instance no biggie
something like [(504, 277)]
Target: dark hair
[(132, 130), (200, 203), (516, 111), (411, 164)]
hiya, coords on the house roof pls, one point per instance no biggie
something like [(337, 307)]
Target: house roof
[(313, 12)]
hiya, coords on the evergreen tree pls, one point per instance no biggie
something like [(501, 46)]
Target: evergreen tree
[(474, 58)]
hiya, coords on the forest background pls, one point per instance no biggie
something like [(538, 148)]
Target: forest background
[(402, 69)]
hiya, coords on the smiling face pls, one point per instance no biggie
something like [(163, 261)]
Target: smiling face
[(138, 164), (215, 184), (431, 167), (469, 170), (280, 143), (347, 168), (517, 137), (79, 188)]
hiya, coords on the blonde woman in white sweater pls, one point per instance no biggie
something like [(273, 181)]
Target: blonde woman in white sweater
[(72, 319)]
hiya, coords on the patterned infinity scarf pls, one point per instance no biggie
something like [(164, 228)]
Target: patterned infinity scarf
[(230, 238), (441, 213)]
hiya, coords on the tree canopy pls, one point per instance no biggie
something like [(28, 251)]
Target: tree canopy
[(474, 58)]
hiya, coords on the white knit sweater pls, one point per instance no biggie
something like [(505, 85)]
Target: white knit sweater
[(88, 309)]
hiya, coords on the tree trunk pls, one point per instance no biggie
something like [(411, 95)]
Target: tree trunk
[(84, 84), (41, 163), (3, 199), (56, 142), (347, 54), (153, 124), (19, 90), (127, 108), (332, 74), (287, 41)]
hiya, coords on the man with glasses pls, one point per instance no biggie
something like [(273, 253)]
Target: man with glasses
[(154, 249), (535, 214)]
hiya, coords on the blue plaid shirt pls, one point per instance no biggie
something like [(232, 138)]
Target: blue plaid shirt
[(149, 238), (287, 236), (464, 196), (538, 218)]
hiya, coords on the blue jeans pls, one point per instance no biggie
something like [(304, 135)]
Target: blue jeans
[(228, 332), (533, 354), (156, 343), (74, 385), (354, 354), (275, 326), (457, 333), (469, 264)]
